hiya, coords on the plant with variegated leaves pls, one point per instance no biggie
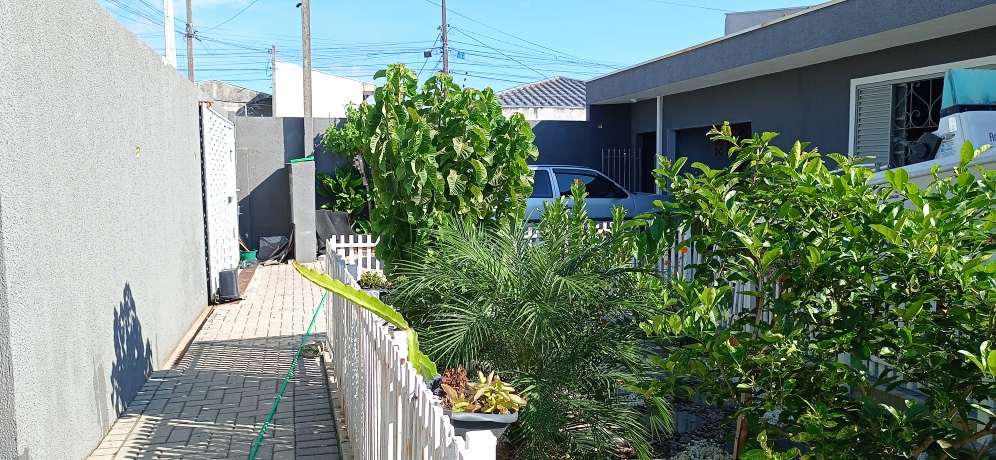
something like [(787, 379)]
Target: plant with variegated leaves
[(440, 151), (489, 395)]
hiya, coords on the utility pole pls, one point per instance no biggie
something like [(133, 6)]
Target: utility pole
[(190, 42), (170, 36), (273, 80), (446, 43), (306, 44)]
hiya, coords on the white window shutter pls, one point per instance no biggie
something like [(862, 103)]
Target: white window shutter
[(873, 123)]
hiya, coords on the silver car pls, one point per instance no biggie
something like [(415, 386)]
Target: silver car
[(551, 181)]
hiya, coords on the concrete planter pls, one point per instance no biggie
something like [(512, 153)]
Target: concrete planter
[(473, 421)]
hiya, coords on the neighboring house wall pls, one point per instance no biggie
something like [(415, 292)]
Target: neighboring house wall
[(581, 143), (264, 146), (236, 99), (810, 103), (102, 267), (330, 93), (547, 113), (562, 142)]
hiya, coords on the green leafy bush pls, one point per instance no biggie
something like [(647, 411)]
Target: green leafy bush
[(839, 271), (347, 141), (435, 152), (559, 319), (348, 194)]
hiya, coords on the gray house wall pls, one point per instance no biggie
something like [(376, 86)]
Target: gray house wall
[(810, 103), (264, 146), (101, 223), (8, 423)]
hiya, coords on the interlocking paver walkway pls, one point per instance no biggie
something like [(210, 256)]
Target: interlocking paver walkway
[(213, 403)]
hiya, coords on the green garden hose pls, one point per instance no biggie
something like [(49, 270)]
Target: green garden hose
[(276, 402)]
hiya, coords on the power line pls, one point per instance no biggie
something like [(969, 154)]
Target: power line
[(503, 32), (691, 6), (419, 75), (503, 54), (236, 15)]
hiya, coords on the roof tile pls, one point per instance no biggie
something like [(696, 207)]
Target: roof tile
[(552, 92)]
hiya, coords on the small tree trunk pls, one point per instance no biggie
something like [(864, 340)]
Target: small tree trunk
[(361, 166)]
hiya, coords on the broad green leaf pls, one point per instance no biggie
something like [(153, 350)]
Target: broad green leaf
[(367, 301), (967, 154), (422, 364), (889, 233)]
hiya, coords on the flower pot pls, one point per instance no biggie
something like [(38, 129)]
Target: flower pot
[(473, 421)]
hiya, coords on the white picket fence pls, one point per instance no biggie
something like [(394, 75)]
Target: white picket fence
[(388, 411), (355, 250)]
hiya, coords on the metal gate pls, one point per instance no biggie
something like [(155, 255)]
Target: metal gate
[(623, 166), (221, 208)]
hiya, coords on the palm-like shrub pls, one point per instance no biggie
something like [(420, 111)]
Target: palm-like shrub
[(558, 317)]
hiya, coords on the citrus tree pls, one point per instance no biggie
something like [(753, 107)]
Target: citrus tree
[(807, 276)]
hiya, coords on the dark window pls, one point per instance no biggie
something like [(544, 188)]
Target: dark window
[(916, 109), (597, 186), (541, 185), (739, 131)]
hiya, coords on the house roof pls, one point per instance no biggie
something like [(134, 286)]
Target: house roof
[(561, 92), (367, 86), (821, 33), (209, 83)]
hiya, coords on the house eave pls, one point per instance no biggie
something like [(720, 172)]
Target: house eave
[(671, 74)]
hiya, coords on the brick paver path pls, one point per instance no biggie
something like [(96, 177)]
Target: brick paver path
[(213, 403)]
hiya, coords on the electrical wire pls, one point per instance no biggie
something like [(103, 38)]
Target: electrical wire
[(503, 32), (419, 75), (233, 17), (233, 53), (691, 6), (503, 54)]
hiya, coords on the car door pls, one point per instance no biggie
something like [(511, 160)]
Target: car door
[(603, 194)]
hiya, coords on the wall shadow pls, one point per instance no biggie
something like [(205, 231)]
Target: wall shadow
[(132, 353), (214, 402)]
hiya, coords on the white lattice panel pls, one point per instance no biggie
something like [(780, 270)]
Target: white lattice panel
[(221, 208)]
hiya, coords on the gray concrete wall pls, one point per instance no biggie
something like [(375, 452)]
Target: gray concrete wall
[(264, 147), (8, 424), (302, 198), (810, 103), (102, 242)]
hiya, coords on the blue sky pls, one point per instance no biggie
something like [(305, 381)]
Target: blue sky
[(495, 43)]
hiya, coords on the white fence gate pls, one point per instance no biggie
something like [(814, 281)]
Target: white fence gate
[(221, 207), (389, 412)]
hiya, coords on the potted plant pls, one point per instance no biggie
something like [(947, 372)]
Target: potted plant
[(487, 404), (375, 284)]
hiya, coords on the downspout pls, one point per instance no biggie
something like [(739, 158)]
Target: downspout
[(660, 137)]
